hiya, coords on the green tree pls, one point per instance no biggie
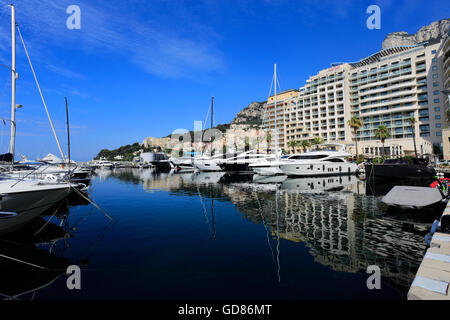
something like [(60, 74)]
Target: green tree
[(412, 122), (316, 141), (305, 144), (382, 133), (293, 144), (355, 123)]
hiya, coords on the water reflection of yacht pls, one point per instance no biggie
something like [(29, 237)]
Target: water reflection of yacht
[(268, 179), (207, 177), (25, 269), (318, 184), (103, 173)]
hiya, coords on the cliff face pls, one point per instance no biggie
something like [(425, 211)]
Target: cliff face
[(252, 114), (436, 30)]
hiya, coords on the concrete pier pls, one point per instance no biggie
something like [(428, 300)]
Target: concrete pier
[(433, 276)]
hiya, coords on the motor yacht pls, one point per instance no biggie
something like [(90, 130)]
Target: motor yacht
[(208, 163), (182, 164), (241, 162), (21, 201), (271, 167), (329, 161)]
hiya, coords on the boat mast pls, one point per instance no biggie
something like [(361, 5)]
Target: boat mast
[(275, 109), (13, 82), (212, 122), (68, 132)]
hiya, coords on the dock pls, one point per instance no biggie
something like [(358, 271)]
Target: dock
[(433, 276)]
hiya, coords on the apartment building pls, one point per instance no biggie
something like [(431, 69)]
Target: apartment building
[(320, 110), (286, 100), (392, 86), (446, 92), (386, 88)]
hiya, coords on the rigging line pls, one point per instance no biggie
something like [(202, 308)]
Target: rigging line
[(54, 213), (265, 227), (40, 92), (92, 202), (278, 238), (268, 95), (204, 209), (207, 115)]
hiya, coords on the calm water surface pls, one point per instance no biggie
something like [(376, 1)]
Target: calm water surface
[(209, 235)]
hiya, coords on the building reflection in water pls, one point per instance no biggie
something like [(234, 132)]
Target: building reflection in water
[(343, 227)]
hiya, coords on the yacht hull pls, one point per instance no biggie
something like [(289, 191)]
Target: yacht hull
[(207, 165), (26, 206), (319, 169), (267, 170)]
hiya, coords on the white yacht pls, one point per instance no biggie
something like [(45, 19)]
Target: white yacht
[(271, 167), (182, 164), (208, 163), (24, 200), (104, 164), (330, 161), (241, 162)]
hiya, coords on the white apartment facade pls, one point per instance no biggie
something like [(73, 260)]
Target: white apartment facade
[(385, 88)]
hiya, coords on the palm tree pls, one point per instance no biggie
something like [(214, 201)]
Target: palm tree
[(305, 144), (355, 123), (382, 133), (412, 122), (316, 141), (293, 144)]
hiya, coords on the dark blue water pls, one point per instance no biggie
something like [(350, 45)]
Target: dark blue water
[(189, 236)]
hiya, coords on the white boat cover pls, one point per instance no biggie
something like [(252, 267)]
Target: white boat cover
[(411, 197)]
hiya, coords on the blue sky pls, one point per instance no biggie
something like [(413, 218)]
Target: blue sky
[(145, 68)]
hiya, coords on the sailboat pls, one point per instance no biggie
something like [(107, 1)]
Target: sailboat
[(23, 200), (208, 162), (269, 166)]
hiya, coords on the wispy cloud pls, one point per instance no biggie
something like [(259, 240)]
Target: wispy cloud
[(155, 47), (65, 72)]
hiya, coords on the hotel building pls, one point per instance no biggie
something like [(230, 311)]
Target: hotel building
[(446, 93), (386, 88)]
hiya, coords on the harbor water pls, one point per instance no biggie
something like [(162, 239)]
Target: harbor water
[(215, 236)]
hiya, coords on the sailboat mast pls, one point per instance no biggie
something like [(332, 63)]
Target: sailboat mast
[(212, 112), (13, 82), (275, 109), (68, 132), (212, 121)]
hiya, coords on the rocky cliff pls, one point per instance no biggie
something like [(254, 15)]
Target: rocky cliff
[(436, 30), (252, 114)]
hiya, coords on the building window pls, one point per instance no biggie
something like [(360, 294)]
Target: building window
[(436, 92), (438, 134), (436, 100), (435, 84), (433, 60), (437, 117), (438, 125), (433, 51), (434, 68), (437, 108), (435, 75)]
